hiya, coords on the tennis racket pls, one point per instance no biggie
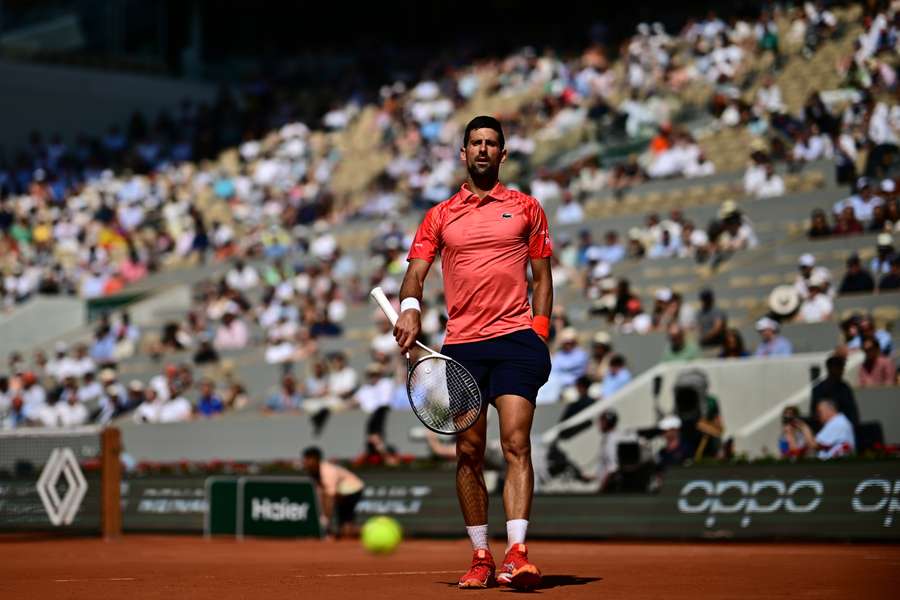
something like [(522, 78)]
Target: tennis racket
[(442, 392)]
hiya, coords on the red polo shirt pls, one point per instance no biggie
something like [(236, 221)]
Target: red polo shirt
[(485, 246)]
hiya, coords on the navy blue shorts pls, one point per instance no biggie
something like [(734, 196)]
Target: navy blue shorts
[(516, 363)]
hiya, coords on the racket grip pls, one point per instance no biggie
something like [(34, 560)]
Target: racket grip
[(385, 304)]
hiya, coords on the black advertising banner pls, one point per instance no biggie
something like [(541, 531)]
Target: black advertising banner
[(836, 500)]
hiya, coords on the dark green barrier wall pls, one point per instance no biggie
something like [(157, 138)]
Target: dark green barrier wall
[(841, 500)]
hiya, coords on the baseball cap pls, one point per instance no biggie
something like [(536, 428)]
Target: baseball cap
[(817, 279), (807, 260), (767, 323), (862, 182), (885, 239), (664, 294), (61, 347), (729, 207), (888, 186), (602, 337), (670, 422), (568, 335)]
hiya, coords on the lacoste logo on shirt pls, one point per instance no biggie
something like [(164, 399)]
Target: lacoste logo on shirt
[(506, 216)]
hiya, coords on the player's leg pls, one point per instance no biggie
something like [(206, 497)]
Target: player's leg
[(523, 368), (516, 416), (473, 501)]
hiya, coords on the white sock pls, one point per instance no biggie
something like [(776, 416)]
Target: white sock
[(478, 536), (515, 532)]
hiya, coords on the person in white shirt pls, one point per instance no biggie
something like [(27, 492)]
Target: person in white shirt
[(755, 175), (342, 378), (60, 366), (242, 277), (149, 410), (69, 411), (817, 307), (772, 186), (384, 342), (376, 392), (569, 212), (232, 334), (177, 409), (808, 268), (836, 438), (82, 363)]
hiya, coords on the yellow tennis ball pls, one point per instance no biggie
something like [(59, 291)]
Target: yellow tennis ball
[(381, 535)]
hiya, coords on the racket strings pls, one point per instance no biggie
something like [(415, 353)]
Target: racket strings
[(444, 394)]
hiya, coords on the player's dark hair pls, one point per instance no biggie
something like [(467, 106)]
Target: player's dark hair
[(484, 122), (313, 452), (617, 360)]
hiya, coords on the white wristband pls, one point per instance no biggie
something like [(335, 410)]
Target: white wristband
[(410, 303)]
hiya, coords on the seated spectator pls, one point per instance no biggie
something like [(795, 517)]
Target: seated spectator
[(818, 226), (846, 223), (242, 277), (711, 320), (817, 306), (772, 186), (835, 388), (209, 403), (286, 398), (891, 280), (149, 410), (836, 437), (792, 442), (232, 334), (342, 378), (617, 377), (856, 279), (807, 267), (884, 249), (666, 247), (679, 349), (611, 252), (601, 354), (674, 452), (176, 409), (70, 412), (569, 361), (569, 211), (733, 345), (771, 343), (876, 369), (861, 204), (582, 399)]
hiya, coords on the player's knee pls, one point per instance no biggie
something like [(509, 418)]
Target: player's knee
[(517, 449), (469, 451)]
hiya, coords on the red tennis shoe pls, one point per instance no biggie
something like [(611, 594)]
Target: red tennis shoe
[(481, 573), (517, 572)]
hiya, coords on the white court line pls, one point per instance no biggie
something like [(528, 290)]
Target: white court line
[(378, 573), (104, 579)]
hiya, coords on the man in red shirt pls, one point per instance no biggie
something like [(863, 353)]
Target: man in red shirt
[(487, 235)]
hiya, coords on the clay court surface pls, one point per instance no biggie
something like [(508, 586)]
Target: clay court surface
[(178, 567)]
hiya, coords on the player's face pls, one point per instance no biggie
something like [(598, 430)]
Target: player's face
[(482, 154)]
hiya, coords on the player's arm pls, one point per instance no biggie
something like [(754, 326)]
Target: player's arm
[(542, 295), (410, 322)]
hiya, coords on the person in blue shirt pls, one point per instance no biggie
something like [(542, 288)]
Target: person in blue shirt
[(570, 361), (771, 344), (210, 403), (617, 376)]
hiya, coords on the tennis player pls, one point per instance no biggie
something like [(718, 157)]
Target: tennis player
[(487, 234)]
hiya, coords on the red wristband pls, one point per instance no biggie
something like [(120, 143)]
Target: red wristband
[(541, 326)]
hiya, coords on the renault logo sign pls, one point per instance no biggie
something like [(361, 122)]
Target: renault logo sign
[(62, 464)]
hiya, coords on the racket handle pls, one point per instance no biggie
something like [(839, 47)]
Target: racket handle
[(384, 304)]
